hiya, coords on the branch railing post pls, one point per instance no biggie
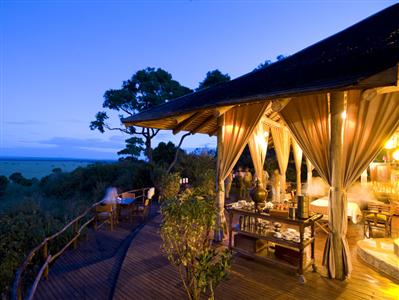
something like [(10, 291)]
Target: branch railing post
[(45, 255), (18, 289), (75, 234)]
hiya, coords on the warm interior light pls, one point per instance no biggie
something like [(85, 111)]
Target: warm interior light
[(343, 115), (266, 134), (390, 144), (395, 155)]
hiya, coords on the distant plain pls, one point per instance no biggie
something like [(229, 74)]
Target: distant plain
[(39, 167)]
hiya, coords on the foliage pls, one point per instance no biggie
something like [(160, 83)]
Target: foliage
[(21, 229), (196, 167), (21, 180), (268, 62), (147, 88), (3, 184), (212, 78), (169, 185), (51, 203), (164, 154), (187, 223), (134, 147), (91, 181)]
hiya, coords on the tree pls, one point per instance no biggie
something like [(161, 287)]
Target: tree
[(147, 88), (164, 153), (268, 62), (134, 147), (3, 184), (17, 178), (212, 78)]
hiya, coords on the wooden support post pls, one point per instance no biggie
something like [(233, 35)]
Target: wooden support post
[(219, 183), (45, 255), (75, 231), (337, 107)]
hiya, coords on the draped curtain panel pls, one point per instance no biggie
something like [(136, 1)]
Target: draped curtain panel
[(258, 148), (368, 124), (282, 142), (309, 169), (235, 128), (298, 163)]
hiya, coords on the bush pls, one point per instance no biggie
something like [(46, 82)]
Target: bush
[(187, 223), (169, 186), (3, 184), (21, 180), (21, 229)]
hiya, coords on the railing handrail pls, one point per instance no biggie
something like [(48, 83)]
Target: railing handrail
[(16, 290)]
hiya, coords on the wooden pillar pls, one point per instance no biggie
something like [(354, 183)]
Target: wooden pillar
[(337, 107), (45, 255), (219, 183)]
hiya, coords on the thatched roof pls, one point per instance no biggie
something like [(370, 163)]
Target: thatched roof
[(352, 58)]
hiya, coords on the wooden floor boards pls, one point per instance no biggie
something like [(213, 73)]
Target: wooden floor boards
[(99, 269)]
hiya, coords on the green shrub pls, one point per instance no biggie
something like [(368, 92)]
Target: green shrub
[(187, 223), (19, 179), (3, 184), (169, 186), (21, 229)]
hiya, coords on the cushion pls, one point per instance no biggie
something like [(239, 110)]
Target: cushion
[(380, 218)]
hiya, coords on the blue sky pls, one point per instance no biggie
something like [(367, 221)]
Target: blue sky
[(59, 57)]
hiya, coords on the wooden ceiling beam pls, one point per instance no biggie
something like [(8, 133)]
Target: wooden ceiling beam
[(271, 123), (179, 127), (203, 124)]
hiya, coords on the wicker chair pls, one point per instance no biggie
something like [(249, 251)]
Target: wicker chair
[(377, 216)]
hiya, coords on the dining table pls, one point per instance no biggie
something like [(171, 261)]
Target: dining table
[(127, 204)]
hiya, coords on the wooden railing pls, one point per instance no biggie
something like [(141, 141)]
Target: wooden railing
[(43, 247)]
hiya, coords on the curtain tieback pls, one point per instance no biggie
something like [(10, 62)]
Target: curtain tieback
[(337, 189)]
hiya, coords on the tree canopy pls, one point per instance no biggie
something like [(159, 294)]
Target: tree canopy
[(212, 78), (268, 62), (145, 89), (134, 146)]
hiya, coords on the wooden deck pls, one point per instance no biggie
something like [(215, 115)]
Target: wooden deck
[(125, 265), (90, 271)]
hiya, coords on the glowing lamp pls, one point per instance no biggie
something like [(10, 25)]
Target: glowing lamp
[(390, 144), (395, 155), (343, 115)]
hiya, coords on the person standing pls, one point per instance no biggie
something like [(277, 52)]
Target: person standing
[(276, 186), (227, 184), (240, 183), (247, 183)]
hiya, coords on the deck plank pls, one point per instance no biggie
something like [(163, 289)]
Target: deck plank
[(99, 269), (147, 274)]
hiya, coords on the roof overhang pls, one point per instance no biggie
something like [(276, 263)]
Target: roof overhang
[(363, 56)]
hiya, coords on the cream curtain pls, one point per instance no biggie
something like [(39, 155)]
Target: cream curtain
[(257, 144), (298, 163), (235, 128), (309, 169), (368, 124), (281, 140)]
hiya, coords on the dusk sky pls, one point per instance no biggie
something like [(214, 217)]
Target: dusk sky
[(57, 58)]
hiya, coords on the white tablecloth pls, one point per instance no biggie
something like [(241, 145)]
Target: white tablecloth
[(321, 206)]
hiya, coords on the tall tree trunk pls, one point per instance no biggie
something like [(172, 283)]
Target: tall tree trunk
[(177, 152), (148, 148)]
